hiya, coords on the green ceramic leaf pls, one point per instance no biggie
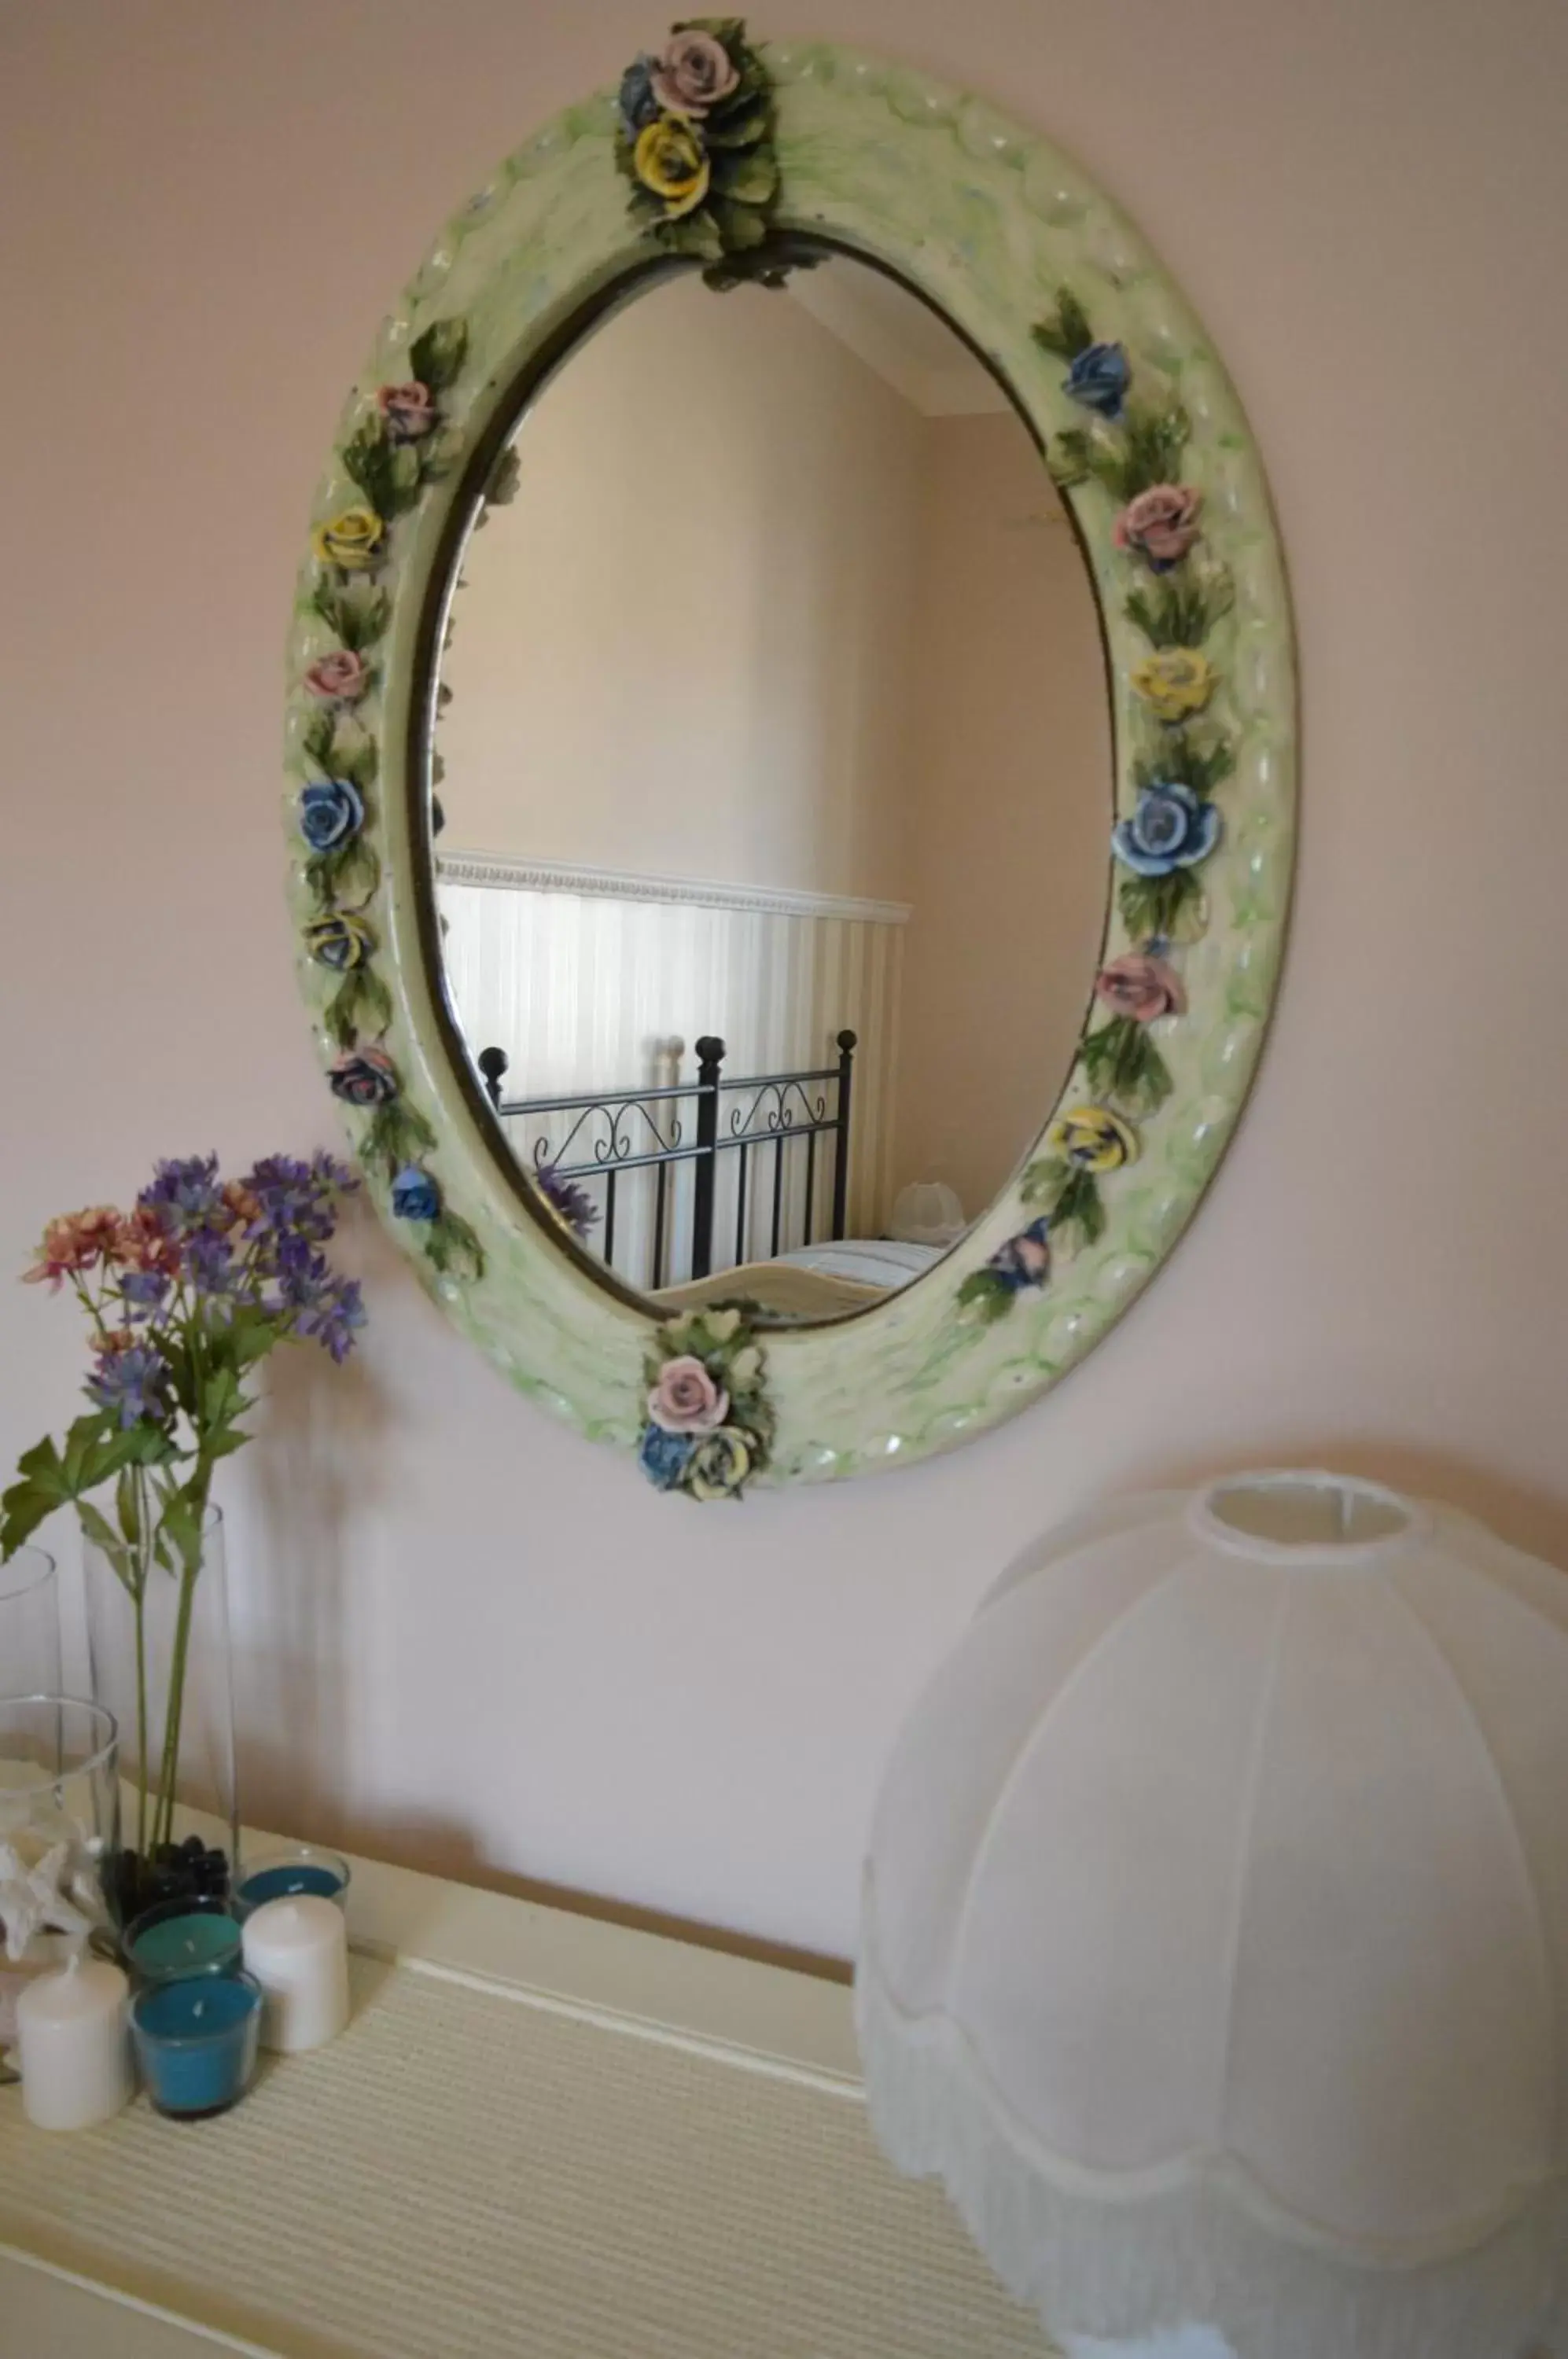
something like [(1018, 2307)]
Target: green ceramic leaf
[(741, 227), (1067, 332), (1080, 1215), (1173, 906), (436, 358), (1123, 1065), (738, 130), (1043, 1182), (1067, 458), (454, 1248), (752, 181), (695, 233), (985, 1296)]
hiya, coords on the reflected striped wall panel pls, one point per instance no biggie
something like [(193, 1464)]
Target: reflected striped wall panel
[(588, 979)]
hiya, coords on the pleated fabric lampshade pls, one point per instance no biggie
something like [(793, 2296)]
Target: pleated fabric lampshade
[(1216, 1945)]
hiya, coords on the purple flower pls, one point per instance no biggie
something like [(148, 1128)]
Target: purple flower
[(185, 1197), (215, 1273), (1099, 378), (132, 1379), (143, 1291), (321, 1307), (572, 1203), (289, 1195)]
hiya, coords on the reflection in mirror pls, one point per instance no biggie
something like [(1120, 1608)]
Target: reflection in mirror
[(776, 773)]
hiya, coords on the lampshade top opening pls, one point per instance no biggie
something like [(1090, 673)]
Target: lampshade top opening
[(1303, 1518)]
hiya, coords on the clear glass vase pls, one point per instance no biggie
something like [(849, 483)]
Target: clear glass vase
[(30, 1625), (59, 1836), (158, 1629)]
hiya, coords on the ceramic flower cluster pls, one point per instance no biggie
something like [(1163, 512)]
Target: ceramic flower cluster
[(708, 1425), (1177, 594), (694, 138), (401, 445)]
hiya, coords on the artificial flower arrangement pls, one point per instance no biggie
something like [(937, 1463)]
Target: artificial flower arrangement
[(184, 1295), (694, 136), (709, 1426), (1134, 451)]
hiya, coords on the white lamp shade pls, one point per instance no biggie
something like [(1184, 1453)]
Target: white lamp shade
[(1216, 1928)]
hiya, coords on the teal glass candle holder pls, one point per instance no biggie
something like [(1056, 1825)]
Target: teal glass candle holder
[(196, 2042), (287, 1872), (180, 1939)]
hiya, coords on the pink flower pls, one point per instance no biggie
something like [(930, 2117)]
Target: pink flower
[(686, 1399), (694, 73), (340, 678), (1142, 987), (75, 1241), (142, 1242), (410, 410), (1160, 525)]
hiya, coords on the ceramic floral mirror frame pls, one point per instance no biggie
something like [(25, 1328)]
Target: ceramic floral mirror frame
[(726, 156)]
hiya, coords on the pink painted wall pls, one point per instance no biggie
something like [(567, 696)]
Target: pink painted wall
[(465, 1635)]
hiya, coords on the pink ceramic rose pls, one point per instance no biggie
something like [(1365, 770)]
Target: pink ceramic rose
[(686, 1399), (1160, 525), (694, 73), (1142, 987), (407, 410), (339, 679)]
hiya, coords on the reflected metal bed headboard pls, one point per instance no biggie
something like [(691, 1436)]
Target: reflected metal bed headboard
[(686, 1191)]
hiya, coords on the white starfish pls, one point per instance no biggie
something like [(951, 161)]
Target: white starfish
[(32, 1902)]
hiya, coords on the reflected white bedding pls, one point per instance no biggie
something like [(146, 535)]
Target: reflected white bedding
[(865, 1261)]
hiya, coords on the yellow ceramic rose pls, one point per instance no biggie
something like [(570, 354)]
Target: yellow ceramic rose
[(669, 160), (719, 1464), (1092, 1139), (1174, 681), (350, 540)]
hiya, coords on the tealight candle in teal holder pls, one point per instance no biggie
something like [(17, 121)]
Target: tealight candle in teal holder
[(196, 2042), (286, 1873), (180, 1938)]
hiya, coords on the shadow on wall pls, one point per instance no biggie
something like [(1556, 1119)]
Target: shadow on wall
[(325, 1432)]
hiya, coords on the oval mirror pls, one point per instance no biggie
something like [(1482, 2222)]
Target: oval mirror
[(776, 755), (790, 765)]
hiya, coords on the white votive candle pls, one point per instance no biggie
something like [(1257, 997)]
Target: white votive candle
[(298, 1951), (73, 2033)]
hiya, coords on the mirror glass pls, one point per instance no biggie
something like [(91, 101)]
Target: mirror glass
[(774, 774)]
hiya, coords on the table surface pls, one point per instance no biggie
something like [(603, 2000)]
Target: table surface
[(542, 2137)]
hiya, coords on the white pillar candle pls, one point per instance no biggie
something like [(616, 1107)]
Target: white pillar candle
[(298, 1951), (74, 2034)]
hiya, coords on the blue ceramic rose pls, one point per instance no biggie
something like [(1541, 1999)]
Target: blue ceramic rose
[(415, 1196), (638, 103), (664, 1457), (1099, 378), (1172, 828), (331, 812)]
